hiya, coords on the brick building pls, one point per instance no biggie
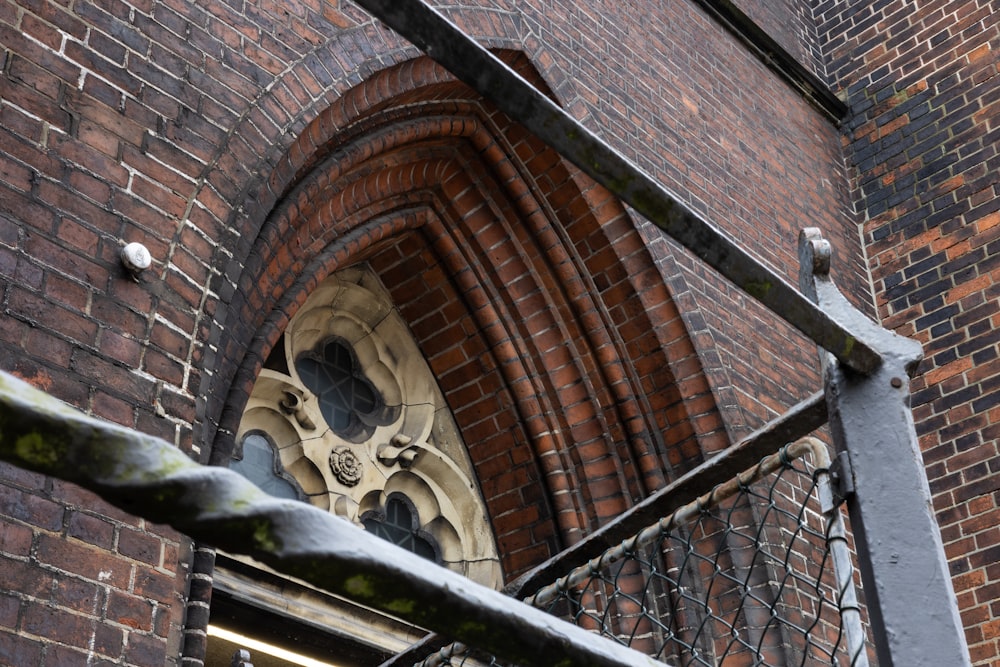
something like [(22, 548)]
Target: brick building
[(282, 159)]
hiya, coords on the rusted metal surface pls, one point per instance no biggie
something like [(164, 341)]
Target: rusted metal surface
[(152, 479), (478, 68)]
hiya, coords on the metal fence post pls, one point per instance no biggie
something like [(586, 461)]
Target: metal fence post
[(908, 589)]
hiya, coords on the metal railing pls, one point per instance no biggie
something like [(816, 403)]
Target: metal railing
[(866, 367), (910, 599), (756, 571)]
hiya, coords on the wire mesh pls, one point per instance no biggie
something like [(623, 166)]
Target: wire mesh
[(459, 655), (755, 572)]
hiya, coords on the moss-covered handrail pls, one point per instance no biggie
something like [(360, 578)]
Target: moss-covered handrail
[(153, 479)]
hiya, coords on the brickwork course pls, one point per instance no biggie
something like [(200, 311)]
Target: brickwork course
[(255, 147)]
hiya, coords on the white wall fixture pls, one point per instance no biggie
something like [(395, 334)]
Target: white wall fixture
[(136, 257)]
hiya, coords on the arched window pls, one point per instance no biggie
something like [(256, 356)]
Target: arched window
[(347, 415), (259, 463), (353, 416), (398, 523)]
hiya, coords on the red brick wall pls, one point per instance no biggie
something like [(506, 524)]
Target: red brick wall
[(744, 151), (187, 126), (791, 25), (923, 81), (84, 583)]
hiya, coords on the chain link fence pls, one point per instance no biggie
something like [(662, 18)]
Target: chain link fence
[(756, 572)]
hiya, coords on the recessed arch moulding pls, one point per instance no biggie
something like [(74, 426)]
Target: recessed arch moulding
[(553, 340)]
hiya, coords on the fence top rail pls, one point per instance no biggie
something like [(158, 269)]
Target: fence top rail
[(802, 419), (474, 65)]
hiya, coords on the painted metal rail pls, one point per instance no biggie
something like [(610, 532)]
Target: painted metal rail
[(153, 479), (440, 39)]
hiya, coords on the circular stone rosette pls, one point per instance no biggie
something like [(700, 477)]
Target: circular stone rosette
[(346, 466)]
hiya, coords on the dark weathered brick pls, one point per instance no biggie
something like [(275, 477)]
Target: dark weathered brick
[(552, 313)]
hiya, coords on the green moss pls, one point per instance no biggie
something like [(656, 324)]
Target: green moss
[(474, 628), (758, 289), (401, 606), (361, 586), (364, 587), (264, 537), (849, 345), (33, 449)]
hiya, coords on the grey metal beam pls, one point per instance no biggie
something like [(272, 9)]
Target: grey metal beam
[(477, 67), (151, 478), (907, 584)]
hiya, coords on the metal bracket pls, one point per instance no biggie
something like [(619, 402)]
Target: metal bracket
[(842, 478), (901, 555)]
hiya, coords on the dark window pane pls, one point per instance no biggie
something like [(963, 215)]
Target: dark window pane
[(400, 526), (258, 465), (344, 394)]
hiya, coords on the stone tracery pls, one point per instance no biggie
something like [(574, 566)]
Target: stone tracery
[(358, 422)]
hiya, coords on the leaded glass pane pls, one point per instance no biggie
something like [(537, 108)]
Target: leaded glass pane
[(400, 526), (258, 465), (344, 395)]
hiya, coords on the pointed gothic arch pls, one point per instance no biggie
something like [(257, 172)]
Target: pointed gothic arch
[(527, 288)]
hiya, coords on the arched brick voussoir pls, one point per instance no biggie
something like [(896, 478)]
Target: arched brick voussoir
[(663, 358), (380, 226), (527, 369), (289, 241), (366, 194), (591, 349), (414, 157), (401, 181), (285, 154), (417, 81), (408, 155), (234, 192), (571, 365), (383, 147), (609, 275), (461, 333), (278, 135), (583, 240)]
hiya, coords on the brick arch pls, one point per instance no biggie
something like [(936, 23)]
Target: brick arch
[(556, 360), (246, 173), (284, 164)]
